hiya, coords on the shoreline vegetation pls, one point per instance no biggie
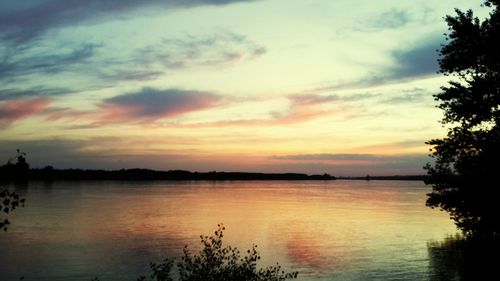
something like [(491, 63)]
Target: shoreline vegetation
[(18, 169), (49, 173)]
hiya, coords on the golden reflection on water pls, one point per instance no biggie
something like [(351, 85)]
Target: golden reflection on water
[(338, 229)]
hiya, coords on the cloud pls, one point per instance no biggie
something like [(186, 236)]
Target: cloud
[(358, 162), (312, 99), (149, 104), (13, 93), (22, 23), (128, 75), (158, 152), (67, 113), (19, 63), (302, 108), (108, 152), (60, 153), (414, 96), (93, 63), (390, 19), (15, 110), (325, 156), (421, 60), (415, 62), (191, 51)]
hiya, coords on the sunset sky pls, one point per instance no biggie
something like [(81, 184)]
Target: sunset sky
[(341, 87)]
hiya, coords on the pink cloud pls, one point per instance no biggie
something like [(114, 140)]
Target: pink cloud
[(58, 113), (308, 99), (15, 110), (302, 109), (150, 104)]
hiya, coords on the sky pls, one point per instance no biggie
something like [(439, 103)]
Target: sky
[(343, 87)]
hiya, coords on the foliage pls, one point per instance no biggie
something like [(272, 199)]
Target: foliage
[(465, 173), (9, 201), (160, 272), (216, 262), (16, 168)]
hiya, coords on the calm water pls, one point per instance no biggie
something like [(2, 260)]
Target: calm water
[(336, 230)]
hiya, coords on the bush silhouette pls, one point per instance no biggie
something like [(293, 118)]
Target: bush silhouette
[(216, 262)]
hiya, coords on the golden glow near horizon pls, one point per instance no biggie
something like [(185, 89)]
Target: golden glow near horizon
[(273, 86)]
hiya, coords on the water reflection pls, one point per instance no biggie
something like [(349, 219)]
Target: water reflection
[(460, 259), (342, 230), (21, 187)]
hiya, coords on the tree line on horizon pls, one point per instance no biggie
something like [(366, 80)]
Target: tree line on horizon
[(17, 172)]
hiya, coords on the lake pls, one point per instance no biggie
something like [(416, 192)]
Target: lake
[(326, 230)]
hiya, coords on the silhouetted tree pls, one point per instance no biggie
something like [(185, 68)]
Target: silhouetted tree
[(465, 175), (16, 168)]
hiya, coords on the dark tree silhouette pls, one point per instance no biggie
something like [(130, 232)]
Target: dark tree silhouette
[(16, 168), (465, 175)]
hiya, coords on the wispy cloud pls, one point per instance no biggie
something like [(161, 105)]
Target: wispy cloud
[(217, 49), (312, 99), (414, 96), (389, 19), (222, 48), (149, 105), (22, 23), (350, 157), (352, 163), (95, 66), (67, 114), (18, 63), (302, 108), (308, 98), (108, 152), (13, 93), (326, 156), (15, 110)]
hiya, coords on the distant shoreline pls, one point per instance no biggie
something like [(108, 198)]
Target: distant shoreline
[(395, 177), (49, 174)]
